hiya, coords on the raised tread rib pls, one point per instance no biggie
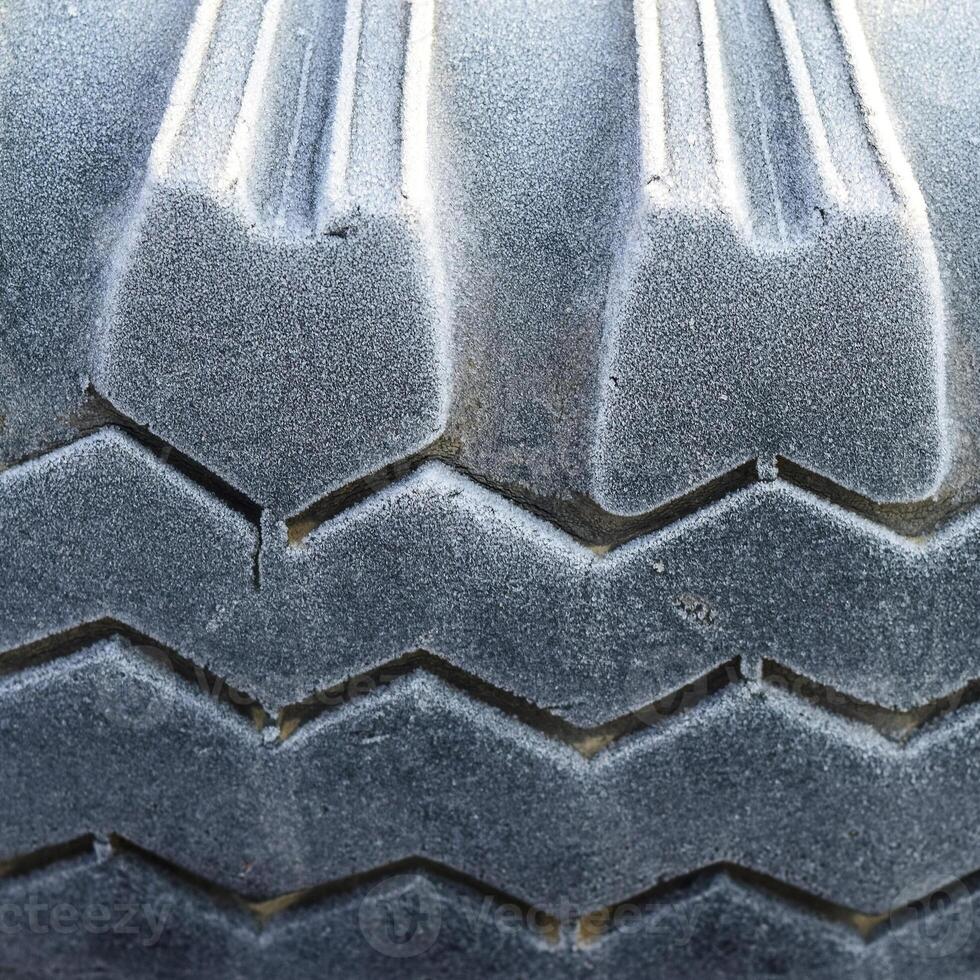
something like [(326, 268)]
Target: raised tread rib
[(103, 901), (436, 562), (779, 274), (737, 765), (275, 310)]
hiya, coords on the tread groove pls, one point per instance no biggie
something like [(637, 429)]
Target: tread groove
[(896, 725), (870, 927), (100, 413)]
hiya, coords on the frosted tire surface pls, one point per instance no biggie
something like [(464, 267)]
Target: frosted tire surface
[(489, 488)]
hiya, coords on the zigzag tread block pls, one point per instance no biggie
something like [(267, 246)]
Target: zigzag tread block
[(775, 238), (438, 563), (275, 285), (724, 781), (118, 908)]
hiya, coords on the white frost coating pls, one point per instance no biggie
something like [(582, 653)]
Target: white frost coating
[(242, 148), (434, 482), (803, 88), (304, 84), (336, 169), (182, 94), (900, 174), (415, 101), (416, 183), (731, 193), (185, 85), (653, 133), (875, 111)]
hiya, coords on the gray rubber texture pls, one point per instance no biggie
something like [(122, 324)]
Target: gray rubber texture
[(489, 488)]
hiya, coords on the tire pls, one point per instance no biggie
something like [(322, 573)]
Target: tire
[(489, 488)]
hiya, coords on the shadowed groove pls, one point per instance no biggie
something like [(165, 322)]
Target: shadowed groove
[(898, 726), (600, 923), (268, 907), (583, 926), (918, 519), (100, 413), (43, 857), (579, 517), (586, 522), (300, 525), (59, 646), (588, 742), (895, 724)]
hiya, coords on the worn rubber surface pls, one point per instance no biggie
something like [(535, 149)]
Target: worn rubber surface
[(489, 487)]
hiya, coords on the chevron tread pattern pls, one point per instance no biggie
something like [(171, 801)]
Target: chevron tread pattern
[(488, 488)]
